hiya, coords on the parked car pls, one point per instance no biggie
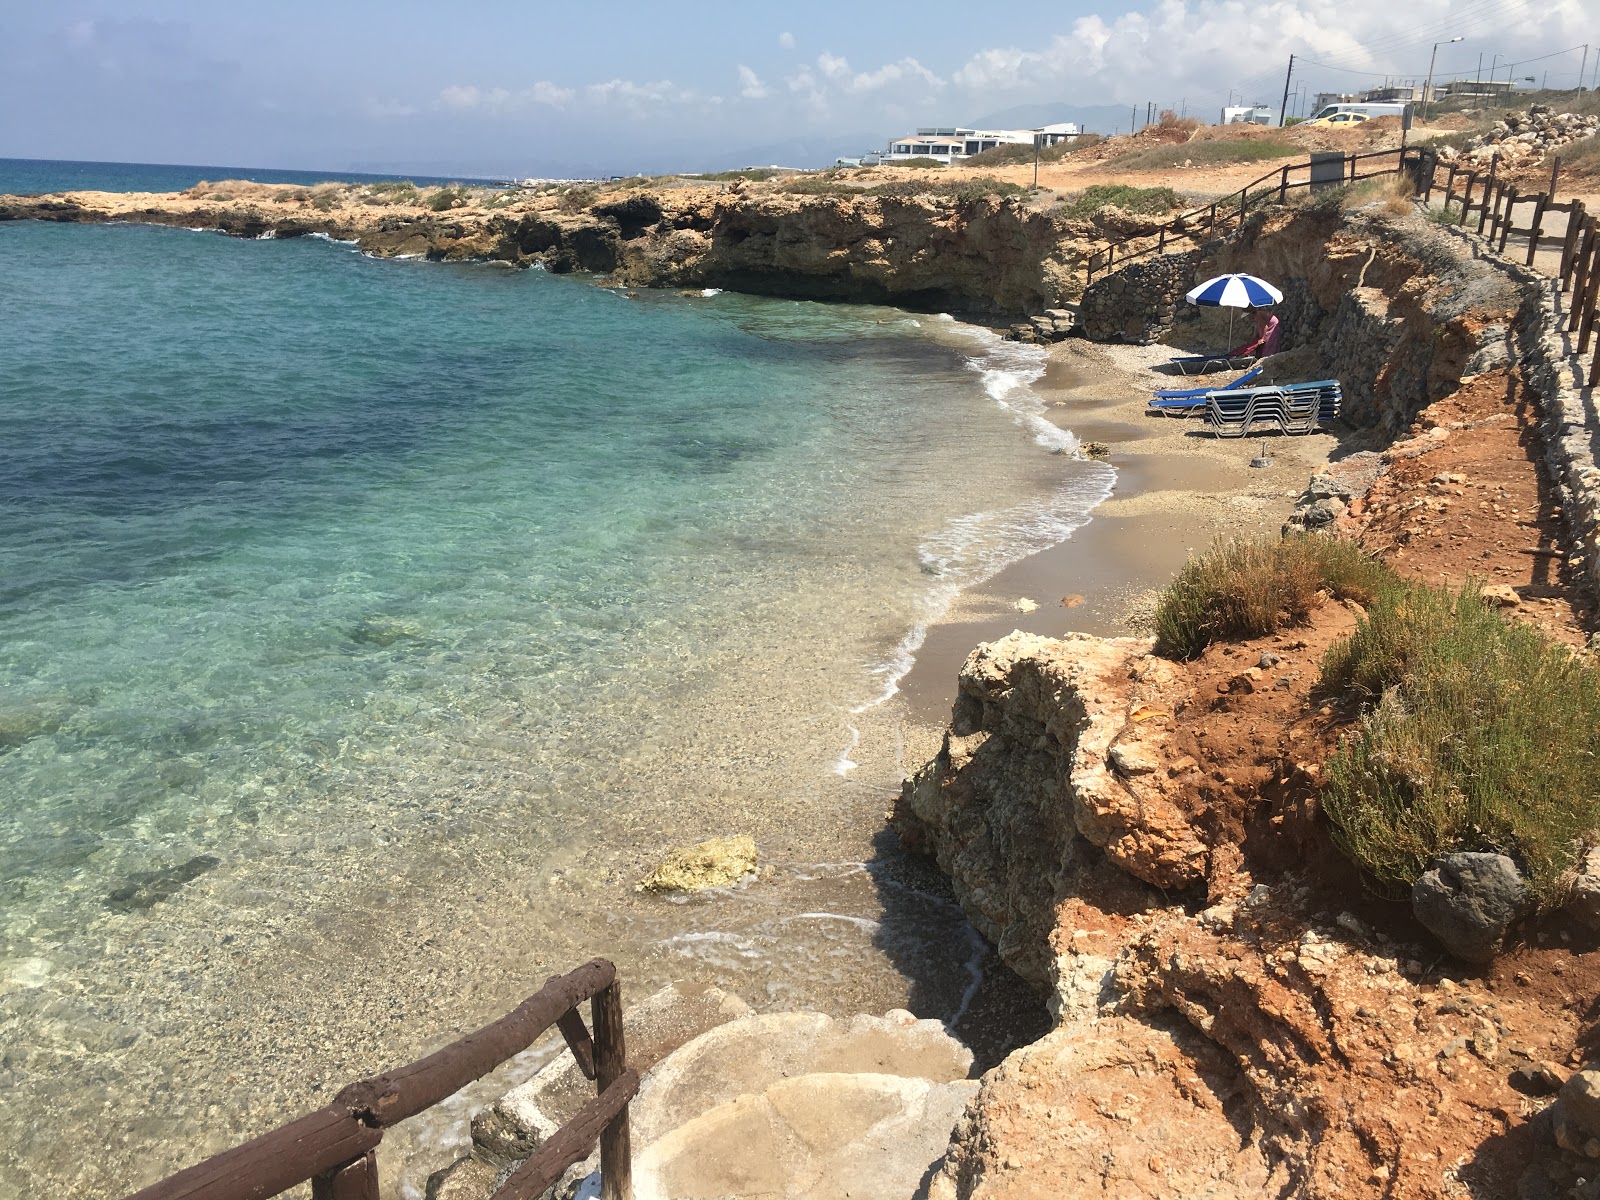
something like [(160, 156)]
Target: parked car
[(1345, 119)]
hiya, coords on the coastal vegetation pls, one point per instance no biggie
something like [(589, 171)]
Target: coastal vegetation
[(1206, 154), (1245, 589), (1153, 201), (1478, 733), (962, 191), (1012, 155)]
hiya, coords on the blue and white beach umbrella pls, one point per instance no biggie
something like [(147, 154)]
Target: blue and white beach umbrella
[(1235, 291)]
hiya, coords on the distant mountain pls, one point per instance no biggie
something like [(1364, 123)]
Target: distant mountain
[(1094, 118)]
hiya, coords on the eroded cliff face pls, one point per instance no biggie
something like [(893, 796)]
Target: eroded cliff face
[(1393, 309), (980, 255), (1234, 1017)]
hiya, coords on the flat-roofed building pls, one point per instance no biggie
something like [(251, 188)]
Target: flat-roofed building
[(952, 143)]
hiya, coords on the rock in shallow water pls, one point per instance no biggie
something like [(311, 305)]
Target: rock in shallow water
[(719, 862)]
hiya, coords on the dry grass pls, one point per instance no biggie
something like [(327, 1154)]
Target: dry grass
[(1205, 154), (1480, 733), (1245, 589)]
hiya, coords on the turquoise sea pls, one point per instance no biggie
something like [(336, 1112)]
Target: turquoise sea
[(31, 176), (367, 628)]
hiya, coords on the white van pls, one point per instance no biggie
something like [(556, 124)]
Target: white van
[(1366, 112)]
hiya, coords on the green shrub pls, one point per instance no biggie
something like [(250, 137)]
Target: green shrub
[(1484, 736), (1205, 154), (447, 198), (1245, 589), (1445, 216), (753, 174), (1154, 201), (961, 191), (917, 163), (815, 185), (578, 197)]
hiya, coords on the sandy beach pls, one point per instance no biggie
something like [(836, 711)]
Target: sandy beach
[(1178, 489)]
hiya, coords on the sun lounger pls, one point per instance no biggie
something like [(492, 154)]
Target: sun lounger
[(1293, 408), (1199, 364), (1200, 392)]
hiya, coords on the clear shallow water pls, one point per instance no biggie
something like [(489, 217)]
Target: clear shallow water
[(32, 176), (400, 614)]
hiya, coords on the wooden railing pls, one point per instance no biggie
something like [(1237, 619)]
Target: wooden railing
[(336, 1147), (1578, 271), (1213, 220)]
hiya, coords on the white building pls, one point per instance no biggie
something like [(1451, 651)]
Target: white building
[(1247, 114), (953, 143)]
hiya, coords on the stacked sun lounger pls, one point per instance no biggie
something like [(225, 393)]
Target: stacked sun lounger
[(1292, 407), (1189, 402), (1199, 364)]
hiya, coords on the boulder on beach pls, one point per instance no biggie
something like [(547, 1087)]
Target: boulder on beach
[(719, 862)]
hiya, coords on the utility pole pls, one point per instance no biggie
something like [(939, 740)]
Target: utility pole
[(1283, 111), (1427, 88), (1583, 68), (1133, 121), (1477, 80)]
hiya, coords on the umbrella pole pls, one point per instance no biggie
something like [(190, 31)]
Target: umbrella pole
[(1230, 328)]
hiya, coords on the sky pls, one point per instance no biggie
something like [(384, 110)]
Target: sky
[(524, 87)]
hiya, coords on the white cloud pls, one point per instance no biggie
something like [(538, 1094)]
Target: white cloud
[(639, 95), (468, 98), (387, 109), (786, 40), (750, 85)]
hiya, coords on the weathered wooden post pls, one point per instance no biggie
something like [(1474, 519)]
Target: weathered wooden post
[(1570, 243), (1511, 204), (1539, 203), (610, 1062), (1283, 186), (355, 1180), (1585, 265)]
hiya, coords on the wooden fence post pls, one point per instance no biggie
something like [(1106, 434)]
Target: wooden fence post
[(610, 1061), (1539, 202), (355, 1180), (1586, 325), (1483, 209), (1283, 186), (1511, 204), (1570, 243), (1466, 196), (1585, 265)]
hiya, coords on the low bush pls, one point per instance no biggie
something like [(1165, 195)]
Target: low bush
[(1013, 155), (447, 198), (1154, 201), (1480, 733), (961, 191), (578, 197), (1245, 589), (752, 174), (920, 164), (1205, 154), (397, 192)]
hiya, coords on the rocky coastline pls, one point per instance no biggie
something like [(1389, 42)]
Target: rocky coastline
[(1140, 838)]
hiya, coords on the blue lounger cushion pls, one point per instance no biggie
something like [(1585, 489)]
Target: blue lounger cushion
[(1200, 392)]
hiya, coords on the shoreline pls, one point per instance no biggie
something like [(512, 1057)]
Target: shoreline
[(1176, 490)]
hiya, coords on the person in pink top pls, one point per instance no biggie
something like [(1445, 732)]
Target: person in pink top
[(1268, 334)]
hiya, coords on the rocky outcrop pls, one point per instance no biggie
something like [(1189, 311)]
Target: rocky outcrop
[(1052, 760), (1525, 137)]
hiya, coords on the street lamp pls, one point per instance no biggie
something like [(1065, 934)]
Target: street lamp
[(1427, 88)]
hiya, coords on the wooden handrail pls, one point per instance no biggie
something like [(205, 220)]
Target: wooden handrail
[(334, 1146), (1117, 251)]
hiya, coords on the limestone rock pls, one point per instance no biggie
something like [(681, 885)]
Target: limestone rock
[(744, 1056), (1112, 1099), (717, 862), (1585, 902), (814, 1137), (1026, 781), (1469, 900), (465, 1179), (519, 1122)]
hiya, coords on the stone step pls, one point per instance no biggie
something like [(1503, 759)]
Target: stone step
[(811, 1137), (749, 1055), (519, 1122)]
